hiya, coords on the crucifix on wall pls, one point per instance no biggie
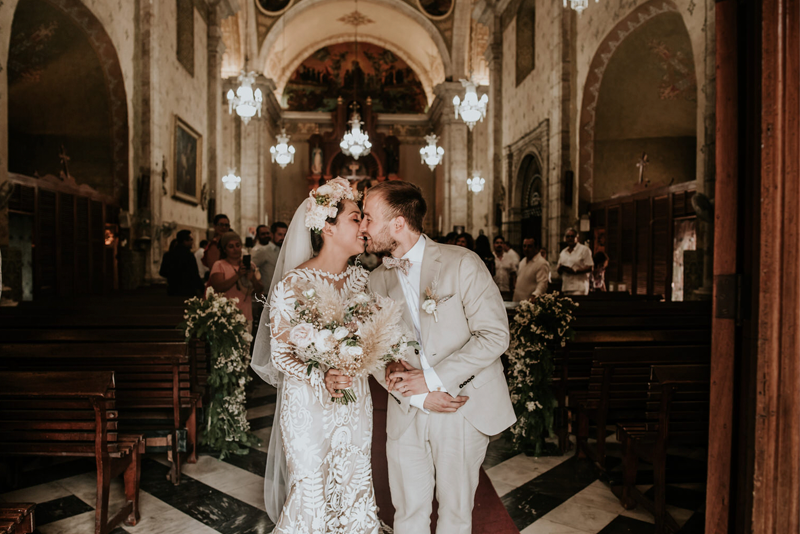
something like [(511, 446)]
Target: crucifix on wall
[(642, 163), (64, 163)]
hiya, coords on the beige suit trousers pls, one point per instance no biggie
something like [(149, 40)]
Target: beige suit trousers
[(440, 451)]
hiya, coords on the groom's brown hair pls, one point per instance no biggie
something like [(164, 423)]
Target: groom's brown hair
[(404, 200)]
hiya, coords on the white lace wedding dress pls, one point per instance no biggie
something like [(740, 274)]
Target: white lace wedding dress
[(327, 445)]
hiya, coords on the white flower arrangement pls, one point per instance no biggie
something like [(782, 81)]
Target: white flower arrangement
[(356, 335), (325, 201), (221, 325), (538, 329)]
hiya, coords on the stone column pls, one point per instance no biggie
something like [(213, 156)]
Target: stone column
[(214, 119), (454, 142), (494, 58)]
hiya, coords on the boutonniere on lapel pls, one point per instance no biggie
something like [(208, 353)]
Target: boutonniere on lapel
[(431, 303)]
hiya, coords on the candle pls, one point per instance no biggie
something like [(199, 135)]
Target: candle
[(440, 225)]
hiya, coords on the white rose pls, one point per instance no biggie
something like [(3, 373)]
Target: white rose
[(352, 350), (324, 190), (361, 298), (429, 306), (324, 341), (309, 293), (340, 333), (303, 335)]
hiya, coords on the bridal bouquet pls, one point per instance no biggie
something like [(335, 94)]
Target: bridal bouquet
[(357, 335)]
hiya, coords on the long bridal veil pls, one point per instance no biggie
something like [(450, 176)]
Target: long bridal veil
[(295, 251)]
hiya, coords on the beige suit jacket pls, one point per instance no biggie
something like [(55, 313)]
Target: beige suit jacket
[(464, 346)]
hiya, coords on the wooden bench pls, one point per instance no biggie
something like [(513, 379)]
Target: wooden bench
[(72, 414), (198, 360), (618, 389), (573, 364), (677, 414), (153, 382), (17, 518), (136, 321)]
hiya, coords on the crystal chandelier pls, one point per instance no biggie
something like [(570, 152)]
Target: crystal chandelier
[(283, 152), (355, 143), (471, 108), (476, 183), (431, 154), (578, 5), (231, 181), (246, 102)]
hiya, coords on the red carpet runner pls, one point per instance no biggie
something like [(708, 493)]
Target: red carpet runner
[(489, 516)]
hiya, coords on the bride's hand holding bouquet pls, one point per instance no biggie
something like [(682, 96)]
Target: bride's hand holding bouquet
[(348, 337)]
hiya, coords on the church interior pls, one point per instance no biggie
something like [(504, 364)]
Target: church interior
[(664, 134)]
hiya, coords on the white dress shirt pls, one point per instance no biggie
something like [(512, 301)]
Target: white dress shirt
[(411, 291), (579, 258)]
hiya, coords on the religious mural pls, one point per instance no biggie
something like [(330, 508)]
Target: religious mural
[(333, 71)]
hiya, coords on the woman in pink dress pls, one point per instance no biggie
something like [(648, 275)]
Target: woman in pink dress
[(230, 276)]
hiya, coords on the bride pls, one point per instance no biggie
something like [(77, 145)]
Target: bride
[(319, 475)]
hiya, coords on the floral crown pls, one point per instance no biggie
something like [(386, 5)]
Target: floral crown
[(325, 202)]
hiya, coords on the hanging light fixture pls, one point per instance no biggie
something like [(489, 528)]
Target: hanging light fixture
[(246, 102), (231, 181), (472, 109), (431, 154), (355, 143), (578, 5), (476, 183), (283, 152)]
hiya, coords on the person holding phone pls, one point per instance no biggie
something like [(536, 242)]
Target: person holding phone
[(236, 275)]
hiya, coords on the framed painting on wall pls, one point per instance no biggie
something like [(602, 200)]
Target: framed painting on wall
[(187, 157)]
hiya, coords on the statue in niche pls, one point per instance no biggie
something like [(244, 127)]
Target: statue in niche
[(316, 160)]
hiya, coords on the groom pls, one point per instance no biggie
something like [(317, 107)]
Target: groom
[(451, 395)]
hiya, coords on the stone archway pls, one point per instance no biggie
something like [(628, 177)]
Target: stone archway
[(114, 100), (591, 92)]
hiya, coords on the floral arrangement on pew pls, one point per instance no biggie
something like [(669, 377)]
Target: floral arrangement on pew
[(217, 321), (356, 335), (538, 330)]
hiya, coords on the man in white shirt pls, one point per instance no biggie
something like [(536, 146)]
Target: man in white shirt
[(266, 252), (575, 265), (533, 274), (512, 253), (198, 255), (505, 268)]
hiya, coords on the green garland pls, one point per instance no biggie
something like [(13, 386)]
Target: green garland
[(217, 321), (538, 330)]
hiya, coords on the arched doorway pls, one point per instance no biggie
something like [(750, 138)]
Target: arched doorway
[(530, 176)]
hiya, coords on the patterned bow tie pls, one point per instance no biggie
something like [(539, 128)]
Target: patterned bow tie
[(404, 264)]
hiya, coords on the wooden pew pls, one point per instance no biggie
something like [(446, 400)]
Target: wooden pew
[(153, 383), (677, 414), (101, 320), (17, 518), (572, 365), (618, 389), (198, 361), (72, 414)]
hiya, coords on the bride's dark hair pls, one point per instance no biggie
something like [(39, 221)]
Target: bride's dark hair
[(316, 238)]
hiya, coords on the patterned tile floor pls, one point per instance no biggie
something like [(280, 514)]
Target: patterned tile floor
[(549, 495)]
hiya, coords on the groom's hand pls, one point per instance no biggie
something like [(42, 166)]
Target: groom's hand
[(441, 402), (411, 380)]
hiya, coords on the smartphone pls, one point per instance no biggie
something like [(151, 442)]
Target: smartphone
[(246, 261)]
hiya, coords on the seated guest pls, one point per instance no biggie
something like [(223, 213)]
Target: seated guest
[(575, 265), (484, 249), (179, 267), (598, 281), (533, 274), (230, 276)]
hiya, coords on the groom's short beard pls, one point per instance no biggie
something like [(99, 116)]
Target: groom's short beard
[(382, 242)]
